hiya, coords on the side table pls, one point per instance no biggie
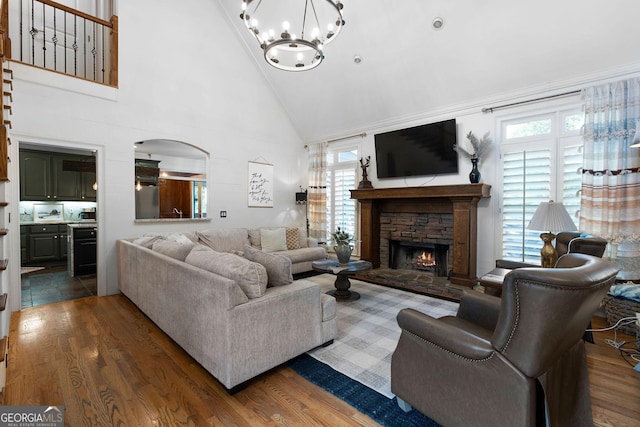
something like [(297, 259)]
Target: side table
[(342, 273), (492, 281)]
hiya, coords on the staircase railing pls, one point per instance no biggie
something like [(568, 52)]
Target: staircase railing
[(6, 97), (56, 37)]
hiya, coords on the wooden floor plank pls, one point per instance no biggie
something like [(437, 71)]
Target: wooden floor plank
[(108, 364)]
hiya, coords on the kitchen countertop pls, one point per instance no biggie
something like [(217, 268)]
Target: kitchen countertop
[(85, 224), (93, 222)]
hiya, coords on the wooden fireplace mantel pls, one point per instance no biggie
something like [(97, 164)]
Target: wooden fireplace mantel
[(459, 200)]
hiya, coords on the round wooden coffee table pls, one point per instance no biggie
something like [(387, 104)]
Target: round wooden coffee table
[(342, 272)]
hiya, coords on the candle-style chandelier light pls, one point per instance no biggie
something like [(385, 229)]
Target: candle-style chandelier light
[(293, 33)]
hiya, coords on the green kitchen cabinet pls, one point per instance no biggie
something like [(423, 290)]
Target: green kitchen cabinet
[(47, 242), (56, 177)]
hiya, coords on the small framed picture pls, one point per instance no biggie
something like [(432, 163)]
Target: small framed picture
[(47, 212)]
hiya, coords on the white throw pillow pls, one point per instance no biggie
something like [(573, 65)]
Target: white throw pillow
[(273, 240)]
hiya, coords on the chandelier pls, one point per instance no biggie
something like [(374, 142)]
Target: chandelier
[(293, 33)]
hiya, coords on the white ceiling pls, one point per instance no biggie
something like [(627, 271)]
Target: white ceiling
[(487, 51)]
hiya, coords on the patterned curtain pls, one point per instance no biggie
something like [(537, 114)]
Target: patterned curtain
[(610, 201), (317, 192)]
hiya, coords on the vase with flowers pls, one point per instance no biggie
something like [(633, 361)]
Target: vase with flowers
[(478, 148), (343, 247)]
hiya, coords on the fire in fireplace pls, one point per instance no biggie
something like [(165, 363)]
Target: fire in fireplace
[(425, 261), (427, 257)]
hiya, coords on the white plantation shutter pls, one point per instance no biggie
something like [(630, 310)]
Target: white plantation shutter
[(541, 160), (342, 176), (526, 183)]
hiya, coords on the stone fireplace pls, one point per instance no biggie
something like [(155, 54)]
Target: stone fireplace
[(425, 257), (416, 241), (443, 215)]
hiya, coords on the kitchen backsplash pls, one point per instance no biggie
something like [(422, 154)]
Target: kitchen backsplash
[(71, 210)]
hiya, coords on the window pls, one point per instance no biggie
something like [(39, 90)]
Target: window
[(342, 176), (541, 160)]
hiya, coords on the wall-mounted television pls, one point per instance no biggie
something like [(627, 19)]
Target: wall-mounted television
[(421, 150)]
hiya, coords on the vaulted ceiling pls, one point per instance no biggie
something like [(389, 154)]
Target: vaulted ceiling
[(487, 51)]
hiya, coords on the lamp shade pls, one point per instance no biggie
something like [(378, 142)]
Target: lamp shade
[(553, 217)]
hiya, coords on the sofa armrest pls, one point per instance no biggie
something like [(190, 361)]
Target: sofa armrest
[(312, 242), (267, 331), (443, 335)]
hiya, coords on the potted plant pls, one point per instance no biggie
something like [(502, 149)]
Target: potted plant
[(343, 247)]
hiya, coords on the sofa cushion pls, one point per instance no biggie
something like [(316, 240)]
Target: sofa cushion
[(254, 236), (305, 254), (177, 250), (272, 240), (250, 276), (278, 267), (224, 240), (293, 238), (302, 235)]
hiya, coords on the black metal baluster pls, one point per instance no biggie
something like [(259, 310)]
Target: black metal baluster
[(84, 46), (54, 39), (21, 32), (93, 51), (44, 39), (33, 33), (103, 49), (65, 42), (75, 45)]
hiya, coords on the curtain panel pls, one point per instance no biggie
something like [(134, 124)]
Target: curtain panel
[(317, 192), (610, 197)]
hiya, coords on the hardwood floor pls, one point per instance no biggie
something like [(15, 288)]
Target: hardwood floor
[(107, 364)]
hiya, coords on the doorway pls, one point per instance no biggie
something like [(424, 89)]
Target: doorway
[(58, 204)]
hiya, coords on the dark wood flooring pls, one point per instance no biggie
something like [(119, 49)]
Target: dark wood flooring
[(108, 364)]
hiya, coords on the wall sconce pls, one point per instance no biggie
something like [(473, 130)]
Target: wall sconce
[(301, 197)]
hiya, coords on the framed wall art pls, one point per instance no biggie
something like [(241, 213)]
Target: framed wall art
[(260, 185), (47, 212)]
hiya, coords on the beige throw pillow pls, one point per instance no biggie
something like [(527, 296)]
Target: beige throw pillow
[(273, 240), (250, 276), (278, 267), (293, 238)]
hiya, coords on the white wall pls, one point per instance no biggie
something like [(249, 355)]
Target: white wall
[(177, 81)]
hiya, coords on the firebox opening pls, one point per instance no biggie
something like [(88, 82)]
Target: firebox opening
[(426, 257)]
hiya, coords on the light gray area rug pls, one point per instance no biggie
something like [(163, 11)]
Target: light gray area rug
[(368, 331)]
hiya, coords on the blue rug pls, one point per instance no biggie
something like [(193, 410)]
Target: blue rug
[(381, 409)]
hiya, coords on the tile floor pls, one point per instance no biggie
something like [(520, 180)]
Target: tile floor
[(53, 284)]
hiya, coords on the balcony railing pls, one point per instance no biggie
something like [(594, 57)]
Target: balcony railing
[(56, 37)]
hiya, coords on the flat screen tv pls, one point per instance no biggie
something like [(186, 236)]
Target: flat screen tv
[(417, 151)]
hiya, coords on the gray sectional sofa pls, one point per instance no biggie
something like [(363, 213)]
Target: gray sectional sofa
[(237, 317)]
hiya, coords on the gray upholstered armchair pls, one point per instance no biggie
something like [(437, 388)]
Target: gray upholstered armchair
[(505, 362)]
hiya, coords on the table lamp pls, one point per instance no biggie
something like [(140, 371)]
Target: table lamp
[(554, 218)]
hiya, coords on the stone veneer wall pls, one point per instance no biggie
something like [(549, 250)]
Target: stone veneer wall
[(417, 228)]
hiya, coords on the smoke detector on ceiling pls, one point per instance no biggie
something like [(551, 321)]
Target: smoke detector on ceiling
[(437, 23)]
